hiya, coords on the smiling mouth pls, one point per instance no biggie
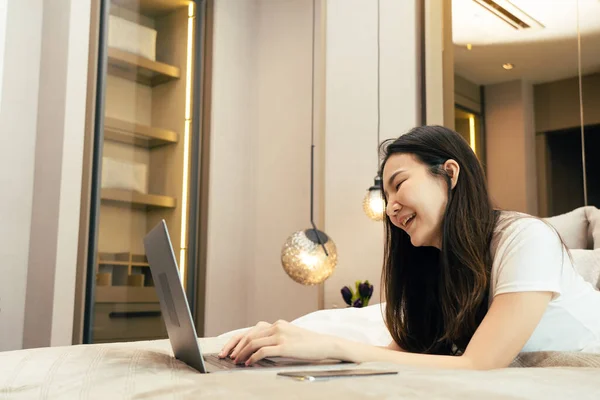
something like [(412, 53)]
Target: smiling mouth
[(407, 220)]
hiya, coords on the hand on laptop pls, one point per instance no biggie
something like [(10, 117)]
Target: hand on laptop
[(280, 339)]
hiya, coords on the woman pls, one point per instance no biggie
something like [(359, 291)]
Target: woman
[(466, 286)]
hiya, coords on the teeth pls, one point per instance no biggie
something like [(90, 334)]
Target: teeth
[(408, 219)]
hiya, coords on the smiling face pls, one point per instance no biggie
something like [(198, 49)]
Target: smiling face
[(416, 199)]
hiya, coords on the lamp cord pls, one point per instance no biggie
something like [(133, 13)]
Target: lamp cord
[(378, 80), (585, 194), (312, 133)]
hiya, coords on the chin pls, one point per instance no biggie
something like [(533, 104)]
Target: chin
[(419, 241), (415, 241)]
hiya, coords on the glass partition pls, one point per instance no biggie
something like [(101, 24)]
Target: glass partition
[(589, 36), (147, 130), (516, 65)]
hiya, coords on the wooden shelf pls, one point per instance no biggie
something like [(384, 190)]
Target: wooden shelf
[(152, 8), (122, 258), (123, 263), (137, 200), (136, 134), (140, 69), (126, 294)]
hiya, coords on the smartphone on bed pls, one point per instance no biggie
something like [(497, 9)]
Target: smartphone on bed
[(334, 373)]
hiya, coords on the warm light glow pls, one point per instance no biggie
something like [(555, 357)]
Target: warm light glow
[(186, 143), (472, 133), (309, 260), (188, 72), (182, 264), (374, 205), (305, 261), (508, 66), (469, 46)]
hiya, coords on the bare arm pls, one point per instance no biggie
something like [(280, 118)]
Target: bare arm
[(507, 326), (393, 346), (509, 323)]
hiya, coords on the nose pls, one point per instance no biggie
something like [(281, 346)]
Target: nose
[(393, 208)]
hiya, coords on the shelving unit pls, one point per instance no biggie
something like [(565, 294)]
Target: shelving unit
[(136, 134), (125, 294), (140, 69), (137, 200), (124, 259), (151, 8), (147, 113), (120, 290)]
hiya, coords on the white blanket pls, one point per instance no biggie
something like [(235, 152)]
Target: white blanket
[(147, 370)]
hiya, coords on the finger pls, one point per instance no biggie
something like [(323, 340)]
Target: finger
[(270, 351), (230, 345), (256, 333), (255, 345)]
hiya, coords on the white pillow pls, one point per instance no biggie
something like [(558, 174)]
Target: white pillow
[(587, 263), (572, 227), (359, 324)]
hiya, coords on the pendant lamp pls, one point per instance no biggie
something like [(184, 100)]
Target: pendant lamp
[(373, 202), (309, 256)]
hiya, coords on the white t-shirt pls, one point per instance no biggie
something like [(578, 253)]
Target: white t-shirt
[(528, 256)]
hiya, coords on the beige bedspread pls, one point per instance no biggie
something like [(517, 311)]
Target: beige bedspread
[(146, 370)]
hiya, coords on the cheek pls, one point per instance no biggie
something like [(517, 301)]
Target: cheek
[(432, 204), (440, 204), (405, 195)]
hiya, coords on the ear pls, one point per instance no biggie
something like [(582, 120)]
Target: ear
[(453, 170)]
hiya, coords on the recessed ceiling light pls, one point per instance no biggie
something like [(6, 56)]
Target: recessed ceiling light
[(469, 46), (508, 66)]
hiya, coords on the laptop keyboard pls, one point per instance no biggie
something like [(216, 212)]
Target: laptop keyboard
[(228, 363)]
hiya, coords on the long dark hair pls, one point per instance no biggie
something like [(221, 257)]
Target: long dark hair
[(437, 299)]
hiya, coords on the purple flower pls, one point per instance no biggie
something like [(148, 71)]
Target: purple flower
[(358, 303), (365, 289), (347, 295)]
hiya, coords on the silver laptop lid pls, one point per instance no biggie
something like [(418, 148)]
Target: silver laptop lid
[(173, 302)]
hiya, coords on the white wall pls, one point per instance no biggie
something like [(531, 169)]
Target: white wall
[(42, 122), (260, 158), (3, 10), (71, 173), (231, 208), (260, 145), (439, 60), (351, 116), (47, 173), (18, 131), (282, 158)]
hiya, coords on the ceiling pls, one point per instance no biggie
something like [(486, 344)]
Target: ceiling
[(539, 55)]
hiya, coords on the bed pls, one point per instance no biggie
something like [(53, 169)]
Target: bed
[(148, 370)]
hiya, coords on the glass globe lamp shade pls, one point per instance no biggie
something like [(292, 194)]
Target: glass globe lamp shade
[(373, 203), (304, 259)]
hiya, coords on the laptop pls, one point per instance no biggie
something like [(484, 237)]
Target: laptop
[(178, 318)]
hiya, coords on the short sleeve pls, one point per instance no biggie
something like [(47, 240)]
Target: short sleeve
[(529, 257)]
